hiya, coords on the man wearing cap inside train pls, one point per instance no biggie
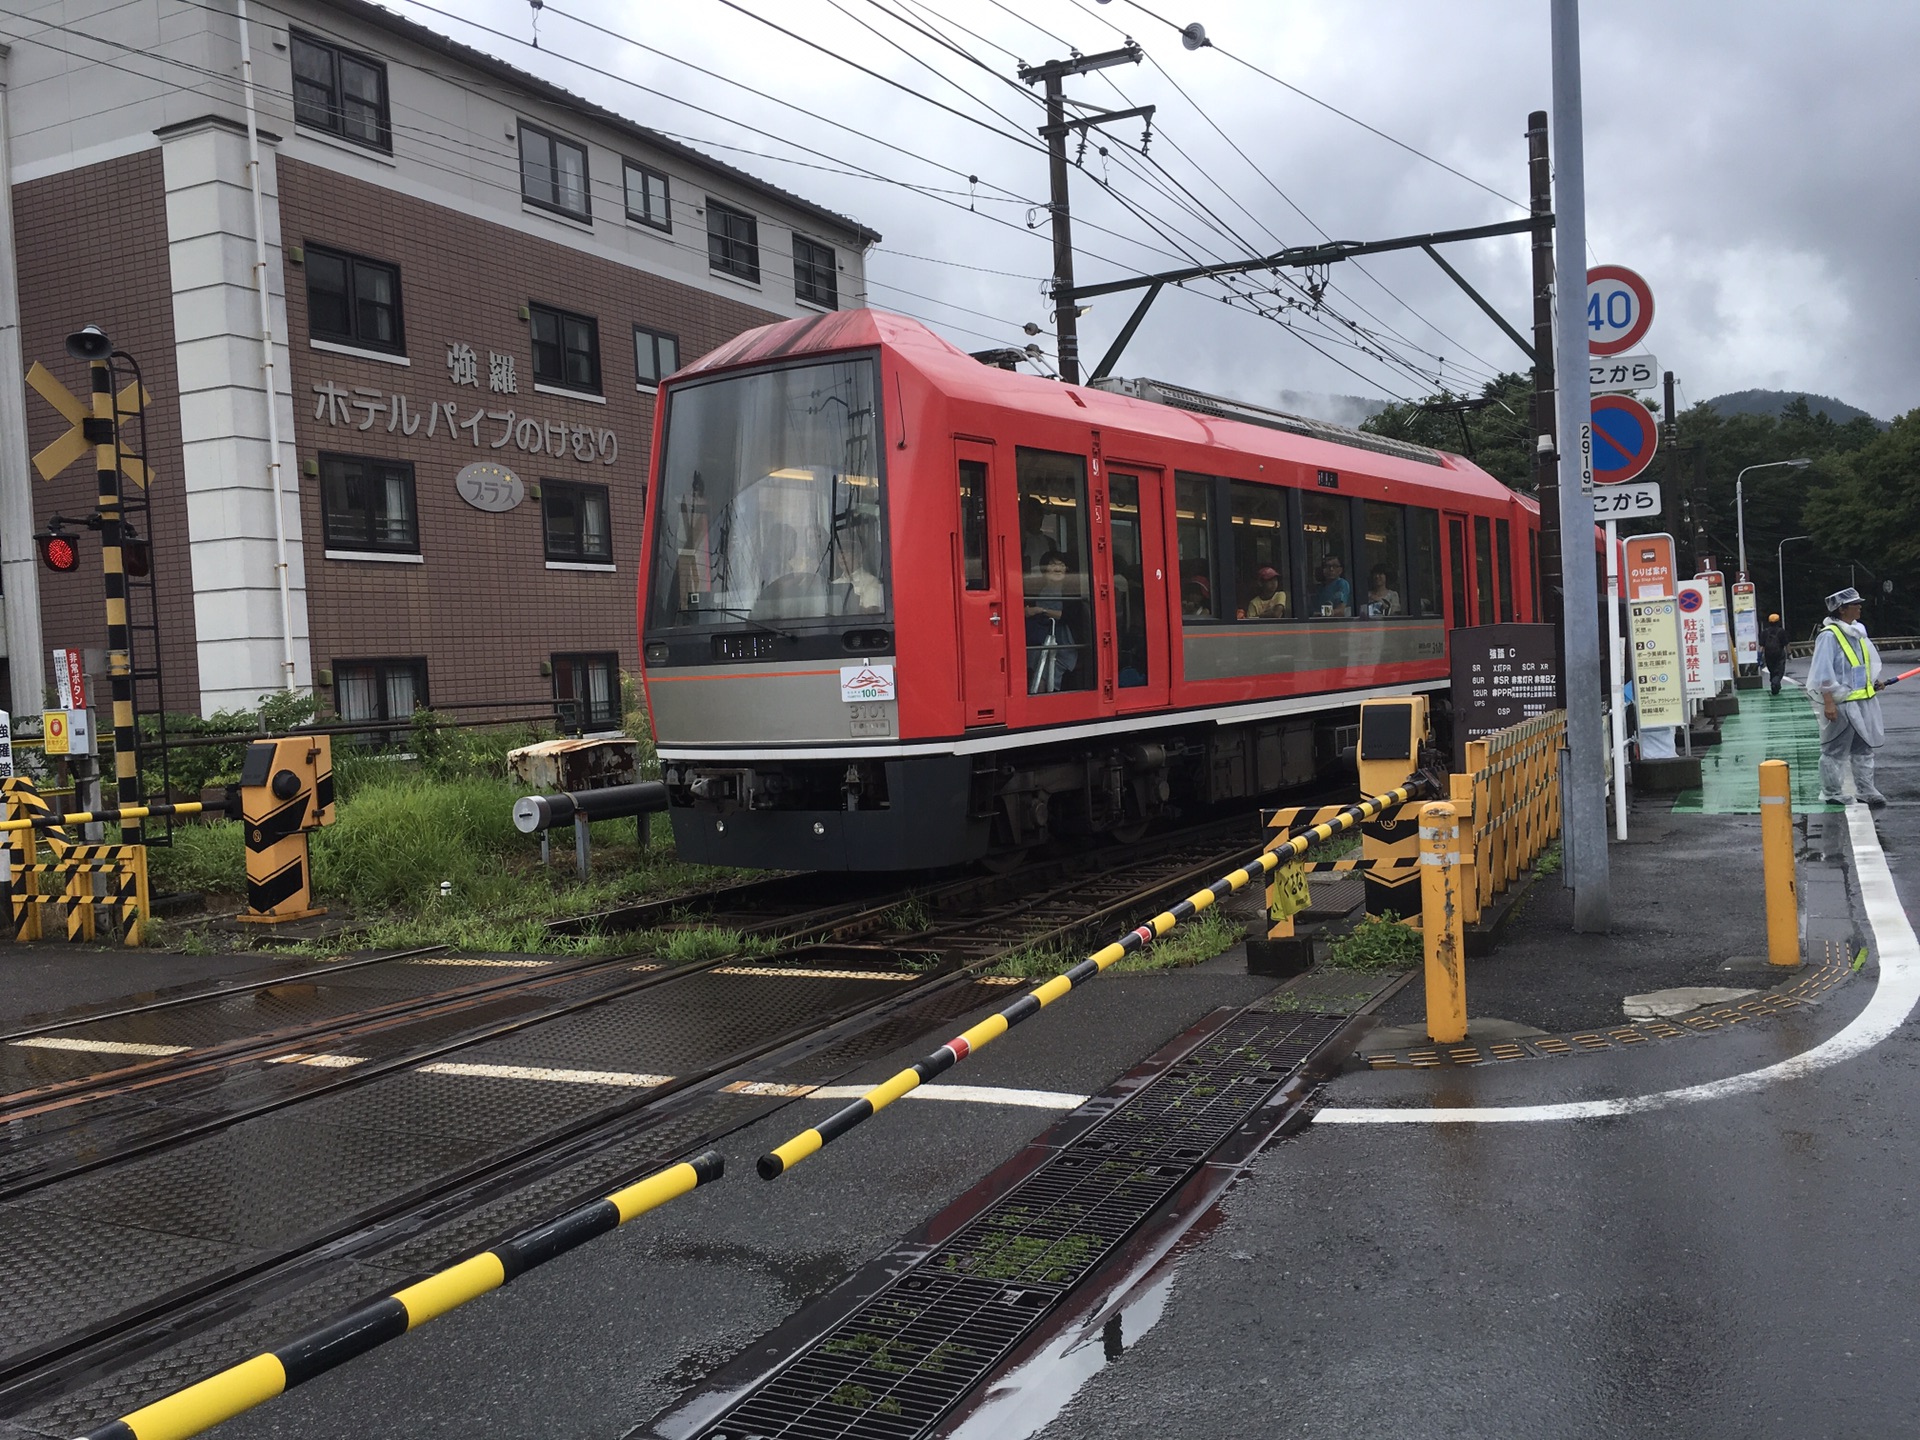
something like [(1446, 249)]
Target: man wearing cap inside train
[(1841, 682)]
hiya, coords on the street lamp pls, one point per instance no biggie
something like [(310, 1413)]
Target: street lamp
[(1780, 561), (1740, 501)]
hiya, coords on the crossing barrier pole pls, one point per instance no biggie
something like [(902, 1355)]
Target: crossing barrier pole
[(1443, 924), (1776, 853)]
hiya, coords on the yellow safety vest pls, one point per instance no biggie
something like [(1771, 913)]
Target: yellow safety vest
[(1846, 648)]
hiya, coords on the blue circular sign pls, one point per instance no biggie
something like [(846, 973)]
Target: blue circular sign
[(1625, 435), (1691, 600)]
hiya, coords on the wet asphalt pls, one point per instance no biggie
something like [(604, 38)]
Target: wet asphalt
[(1746, 1267)]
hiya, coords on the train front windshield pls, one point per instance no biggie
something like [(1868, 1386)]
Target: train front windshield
[(768, 504)]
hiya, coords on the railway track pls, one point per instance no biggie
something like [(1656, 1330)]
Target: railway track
[(729, 1041)]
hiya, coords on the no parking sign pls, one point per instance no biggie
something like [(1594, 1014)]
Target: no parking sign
[(1625, 435)]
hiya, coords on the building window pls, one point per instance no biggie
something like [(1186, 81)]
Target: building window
[(586, 690), (733, 241), (647, 197), (553, 172), (575, 517), (380, 689), (340, 92), (353, 301), (368, 504), (814, 277), (566, 349), (655, 356)]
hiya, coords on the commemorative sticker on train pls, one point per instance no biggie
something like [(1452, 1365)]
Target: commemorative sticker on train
[(862, 683)]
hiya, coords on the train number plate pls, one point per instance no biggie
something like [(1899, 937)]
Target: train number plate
[(874, 718)]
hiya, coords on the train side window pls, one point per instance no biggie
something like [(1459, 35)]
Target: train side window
[(1193, 524), (973, 522), (1383, 536), (1422, 590), (1503, 548), (1326, 520), (1261, 552), (1457, 563), (1054, 551), (1483, 569)]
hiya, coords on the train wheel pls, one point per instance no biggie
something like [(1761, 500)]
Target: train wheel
[(1004, 862), (1130, 834)]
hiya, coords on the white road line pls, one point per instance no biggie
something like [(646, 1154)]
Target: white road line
[(322, 1062), (1892, 1001), (98, 1047), (627, 1078), (796, 974), (971, 1094)]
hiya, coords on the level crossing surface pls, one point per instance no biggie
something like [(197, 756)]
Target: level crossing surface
[(1742, 1266)]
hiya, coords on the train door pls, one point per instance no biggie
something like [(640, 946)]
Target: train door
[(1459, 563), (980, 562), (1140, 609), (1057, 644)]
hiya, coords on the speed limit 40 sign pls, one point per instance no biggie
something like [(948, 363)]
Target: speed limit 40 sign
[(1619, 309)]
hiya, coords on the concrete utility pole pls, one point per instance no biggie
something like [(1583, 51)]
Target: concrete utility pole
[(1546, 477), (1584, 811), (1066, 312)]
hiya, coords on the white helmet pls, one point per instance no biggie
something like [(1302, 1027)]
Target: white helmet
[(1841, 598)]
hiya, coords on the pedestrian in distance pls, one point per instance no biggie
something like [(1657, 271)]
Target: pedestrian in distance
[(1841, 682), (1773, 649)]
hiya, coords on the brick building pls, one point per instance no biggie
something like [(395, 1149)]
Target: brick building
[(475, 280)]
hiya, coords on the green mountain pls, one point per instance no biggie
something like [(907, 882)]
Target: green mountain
[(1774, 403)]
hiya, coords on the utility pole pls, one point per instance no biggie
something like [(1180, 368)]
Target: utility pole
[(1545, 456), (1585, 809), (1066, 311)]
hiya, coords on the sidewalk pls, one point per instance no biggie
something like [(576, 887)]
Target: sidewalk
[(1768, 727)]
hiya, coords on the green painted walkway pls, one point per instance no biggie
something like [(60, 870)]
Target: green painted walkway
[(1768, 727)]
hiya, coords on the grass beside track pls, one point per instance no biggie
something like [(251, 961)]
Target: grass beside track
[(1200, 939)]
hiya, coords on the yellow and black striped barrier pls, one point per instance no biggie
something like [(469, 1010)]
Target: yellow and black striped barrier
[(784, 1157), (252, 1382)]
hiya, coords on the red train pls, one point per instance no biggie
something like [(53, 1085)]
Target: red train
[(903, 609)]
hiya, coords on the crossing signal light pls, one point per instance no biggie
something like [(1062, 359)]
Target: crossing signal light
[(136, 554), (59, 551)]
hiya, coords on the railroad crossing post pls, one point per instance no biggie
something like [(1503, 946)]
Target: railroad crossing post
[(92, 345), (1443, 924), (1776, 852)]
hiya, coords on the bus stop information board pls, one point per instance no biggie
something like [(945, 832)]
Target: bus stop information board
[(1502, 674)]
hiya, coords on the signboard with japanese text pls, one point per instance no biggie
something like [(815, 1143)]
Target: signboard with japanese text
[(1696, 639), (487, 485), (1502, 674), (1622, 372), (6, 746), (1722, 623), (1746, 626), (67, 732), (1288, 891), (865, 683), (62, 681), (1649, 561), (76, 685), (1659, 689), (361, 408), (1629, 500)]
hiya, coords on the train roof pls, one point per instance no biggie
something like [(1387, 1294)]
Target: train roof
[(958, 374)]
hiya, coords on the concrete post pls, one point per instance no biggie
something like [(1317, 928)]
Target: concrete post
[(26, 660), (1443, 924)]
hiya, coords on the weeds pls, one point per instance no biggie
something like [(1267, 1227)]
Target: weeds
[(1187, 944), (1378, 942), (910, 915), (1548, 862)]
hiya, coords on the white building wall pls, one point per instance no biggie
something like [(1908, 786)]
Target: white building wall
[(223, 419)]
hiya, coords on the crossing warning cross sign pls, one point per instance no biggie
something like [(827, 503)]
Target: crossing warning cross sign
[(74, 444)]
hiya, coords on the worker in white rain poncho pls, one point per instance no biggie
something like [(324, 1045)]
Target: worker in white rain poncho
[(1841, 684)]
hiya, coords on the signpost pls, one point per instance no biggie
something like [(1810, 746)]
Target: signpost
[(1696, 640), (1659, 693), (1502, 674), (1649, 566), (1619, 309), (1716, 584), (1746, 625), (1625, 436)]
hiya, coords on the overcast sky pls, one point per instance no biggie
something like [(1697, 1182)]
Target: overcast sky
[(1754, 162)]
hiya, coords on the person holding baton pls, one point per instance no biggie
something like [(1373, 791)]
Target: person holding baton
[(1841, 682)]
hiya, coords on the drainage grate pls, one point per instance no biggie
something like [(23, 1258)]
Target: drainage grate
[(900, 1361)]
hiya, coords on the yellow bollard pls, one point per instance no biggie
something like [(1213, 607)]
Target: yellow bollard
[(1776, 853), (1443, 924)]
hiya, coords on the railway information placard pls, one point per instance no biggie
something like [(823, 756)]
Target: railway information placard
[(1658, 684), (1502, 674)]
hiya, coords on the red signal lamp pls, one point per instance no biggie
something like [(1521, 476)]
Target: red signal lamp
[(59, 551)]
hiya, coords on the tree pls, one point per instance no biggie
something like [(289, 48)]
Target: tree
[(1497, 435), (1867, 509)]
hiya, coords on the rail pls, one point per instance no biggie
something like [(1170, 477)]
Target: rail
[(810, 1141)]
